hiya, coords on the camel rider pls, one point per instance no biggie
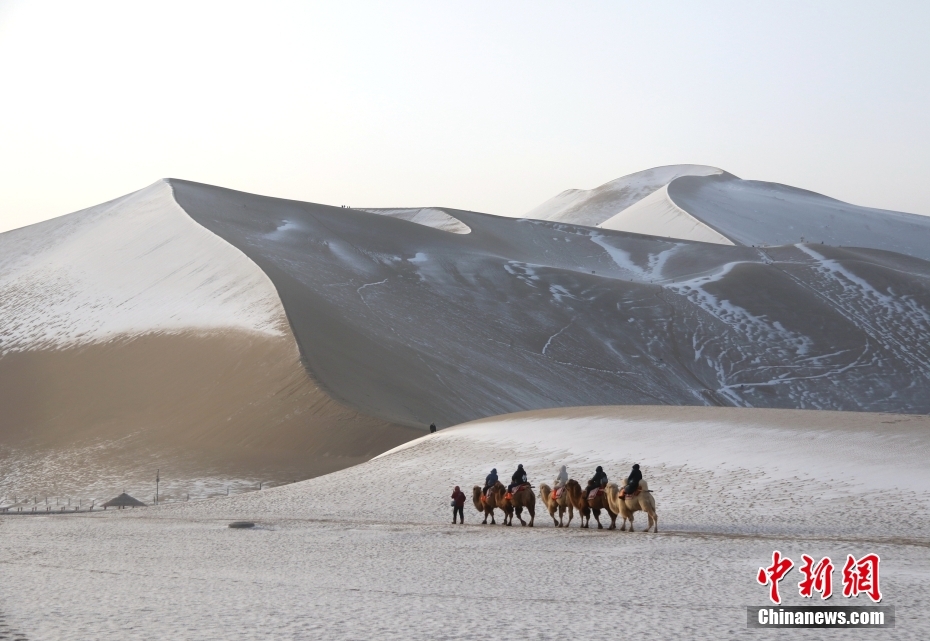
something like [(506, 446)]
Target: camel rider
[(632, 481), (490, 480), (518, 478), (598, 480), (561, 479)]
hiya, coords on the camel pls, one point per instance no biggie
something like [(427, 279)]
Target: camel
[(576, 498), (523, 498), (642, 502), (598, 503), (562, 504), (495, 500)]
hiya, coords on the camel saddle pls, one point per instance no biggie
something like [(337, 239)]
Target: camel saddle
[(624, 495), (593, 493), (557, 492), (519, 488)]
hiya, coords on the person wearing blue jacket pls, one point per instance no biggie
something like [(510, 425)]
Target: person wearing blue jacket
[(490, 480)]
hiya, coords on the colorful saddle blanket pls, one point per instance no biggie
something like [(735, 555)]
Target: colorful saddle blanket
[(624, 495), (557, 493), (593, 493), (519, 488)]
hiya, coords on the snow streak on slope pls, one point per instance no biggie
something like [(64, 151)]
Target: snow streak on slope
[(135, 265), (429, 216), (524, 314), (592, 207), (657, 215)]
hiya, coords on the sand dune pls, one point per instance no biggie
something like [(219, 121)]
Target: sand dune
[(704, 204), (231, 335), (429, 216), (750, 212), (658, 215), (731, 485), (135, 339), (413, 325), (592, 207)]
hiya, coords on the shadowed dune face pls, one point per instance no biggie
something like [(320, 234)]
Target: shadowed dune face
[(413, 324), (132, 339), (231, 405)]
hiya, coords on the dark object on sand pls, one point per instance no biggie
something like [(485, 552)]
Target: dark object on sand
[(123, 500), (432, 428), (241, 524)]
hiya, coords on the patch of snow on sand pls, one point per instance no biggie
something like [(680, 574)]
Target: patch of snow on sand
[(369, 552), (135, 265)]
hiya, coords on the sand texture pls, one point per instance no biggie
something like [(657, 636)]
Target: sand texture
[(591, 207), (415, 325), (133, 339), (369, 552)]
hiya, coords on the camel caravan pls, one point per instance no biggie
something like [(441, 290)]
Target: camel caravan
[(566, 495)]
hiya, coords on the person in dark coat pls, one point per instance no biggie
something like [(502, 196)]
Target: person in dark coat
[(518, 478), (598, 480), (490, 480), (432, 428), (632, 482), (458, 505)]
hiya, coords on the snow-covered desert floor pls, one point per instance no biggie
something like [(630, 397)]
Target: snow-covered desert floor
[(369, 552)]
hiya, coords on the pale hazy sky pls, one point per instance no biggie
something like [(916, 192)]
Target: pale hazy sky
[(490, 106)]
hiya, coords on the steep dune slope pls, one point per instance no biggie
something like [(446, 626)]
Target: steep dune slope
[(429, 216), (658, 215), (750, 212), (591, 207), (692, 202), (413, 324), (132, 338)]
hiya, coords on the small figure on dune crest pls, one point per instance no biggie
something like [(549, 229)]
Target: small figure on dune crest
[(432, 428), (458, 505)]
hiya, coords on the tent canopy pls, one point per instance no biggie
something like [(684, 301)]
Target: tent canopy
[(124, 500)]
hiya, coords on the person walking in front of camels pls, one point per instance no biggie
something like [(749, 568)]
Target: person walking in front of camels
[(458, 505)]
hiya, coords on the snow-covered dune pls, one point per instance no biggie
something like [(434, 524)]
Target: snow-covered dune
[(133, 266), (371, 548), (750, 212), (429, 216), (657, 215), (692, 202), (416, 325), (132, 338), (592, 207), (254, 334)]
